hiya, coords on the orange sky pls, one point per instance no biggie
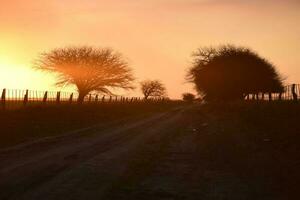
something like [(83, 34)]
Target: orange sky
[(157, 36)]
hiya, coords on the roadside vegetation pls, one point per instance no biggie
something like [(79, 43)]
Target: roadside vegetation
[(35, 122), (229, 73), (237, 151), (188, 97)]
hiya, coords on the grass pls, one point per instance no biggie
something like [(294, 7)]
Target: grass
[(41, 121), (259, 142), (246, 150), (238, 151)]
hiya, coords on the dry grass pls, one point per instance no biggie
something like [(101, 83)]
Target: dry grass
[(41, 121), (229, 151)]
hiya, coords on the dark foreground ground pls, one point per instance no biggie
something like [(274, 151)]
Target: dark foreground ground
[(179, 152)]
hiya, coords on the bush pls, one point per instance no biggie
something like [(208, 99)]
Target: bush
[(188, 97), (229, 73)]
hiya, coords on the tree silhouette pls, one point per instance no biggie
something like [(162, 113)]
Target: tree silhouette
[(153, 89), (89, 69), (188, 97), (229, 73)]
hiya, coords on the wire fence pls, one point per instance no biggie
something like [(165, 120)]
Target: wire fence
[(291, 92), (14, 98)]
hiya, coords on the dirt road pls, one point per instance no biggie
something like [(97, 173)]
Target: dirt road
[(190, 152), (77, 166)]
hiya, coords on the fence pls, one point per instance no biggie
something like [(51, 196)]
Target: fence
[(291, 92), (17, 98)]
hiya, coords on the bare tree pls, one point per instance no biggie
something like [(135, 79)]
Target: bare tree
[(153, 89), (89, 69)]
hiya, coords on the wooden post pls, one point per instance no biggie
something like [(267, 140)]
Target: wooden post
[(110, 98), (25, 98), (58, 97), (96, 98), (3, 98), (45, 97), (116, 98), (90, 97), (71, 98), (103, 98), (131, 100), (270, 96), (280, 96), (295, 96), (262, 96)]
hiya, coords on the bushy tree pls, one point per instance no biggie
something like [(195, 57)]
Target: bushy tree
[(89, 69), (153, 88), (188, 97), (229, 73)]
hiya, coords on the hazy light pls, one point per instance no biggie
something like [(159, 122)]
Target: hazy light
[(157, 36)]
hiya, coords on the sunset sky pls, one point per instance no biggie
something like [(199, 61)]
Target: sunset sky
[(157, 36)]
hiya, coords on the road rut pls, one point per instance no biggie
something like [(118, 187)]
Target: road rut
[(77, 167)]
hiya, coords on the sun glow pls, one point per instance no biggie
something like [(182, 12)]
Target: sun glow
[(18, 76), (156, 36)]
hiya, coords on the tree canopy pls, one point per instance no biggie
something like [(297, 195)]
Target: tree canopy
[(153, 88), (89, 69), (230, 73)]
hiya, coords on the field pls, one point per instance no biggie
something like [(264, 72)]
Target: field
[(32, 122), (152, 151)]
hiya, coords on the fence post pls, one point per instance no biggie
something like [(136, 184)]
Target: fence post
[(103, 98), (110, 98), (90, 97), (71, 98), (270, 96), (280, 96), (3, 98), (96, 98), (295, 96), (58, 97), (45, 97), (25, 98), (116, 98)]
